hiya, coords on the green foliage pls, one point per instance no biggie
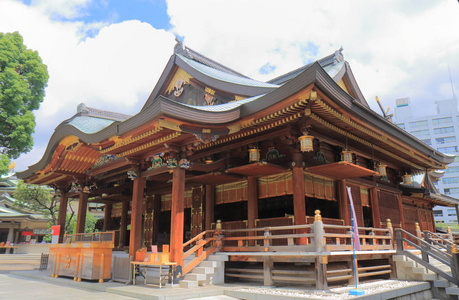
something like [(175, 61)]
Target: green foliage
[(89, 226), (39, 199), (23, 79)]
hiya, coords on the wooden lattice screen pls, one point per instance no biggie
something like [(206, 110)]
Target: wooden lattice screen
[(275, 185), (272, 222), (389, 208), (319, 187), (166, 200), (231, 192), (232, 225)]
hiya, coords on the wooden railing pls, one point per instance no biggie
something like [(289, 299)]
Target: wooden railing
[(316, 237), (94, 237), (429, 248), (202, 245)]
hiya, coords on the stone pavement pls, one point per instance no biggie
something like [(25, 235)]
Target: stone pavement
[(21, 280)]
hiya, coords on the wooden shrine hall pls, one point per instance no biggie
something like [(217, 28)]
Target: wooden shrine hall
[(211, 144)]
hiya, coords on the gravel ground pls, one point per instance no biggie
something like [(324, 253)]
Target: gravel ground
[(335, 293)]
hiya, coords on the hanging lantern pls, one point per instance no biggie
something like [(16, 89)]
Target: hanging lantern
[(306, 142), (346, 155), (381, 169), (209, 160), (407, 179), (254, 155)]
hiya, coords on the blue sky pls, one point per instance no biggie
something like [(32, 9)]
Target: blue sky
[(109, 54)]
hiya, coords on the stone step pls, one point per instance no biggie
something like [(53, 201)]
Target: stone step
[(218, 257), (441, 283), (203, 270), (429, 276), (188, 284), (195, 277), (419, 270), (210, 264), (408, 264), (398, 257), (452, 290)]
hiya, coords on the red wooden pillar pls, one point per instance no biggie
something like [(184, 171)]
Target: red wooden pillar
[(62, 215), (299, 204), (374, 198), (400, 207), (81, 216), (344, 206), (210, 202), (177, 217), (123, 224), (252, 201), (107, 217), (252, 204), (135, 240)]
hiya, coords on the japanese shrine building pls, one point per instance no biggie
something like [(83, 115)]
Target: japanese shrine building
[(212, 144)]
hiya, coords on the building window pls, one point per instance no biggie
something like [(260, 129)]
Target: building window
[(427, 142), (451, 191), (401, 125), (438, 213), (443, 130), (444, 140), (452, 169), (450, 180), (440, 121), (420, 132), (418, 124), (451, 149)]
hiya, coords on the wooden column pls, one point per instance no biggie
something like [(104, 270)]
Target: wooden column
[(344, 206), (374, 198), (177, 217), (252, 201), (123, 224), (62, 215), (107, 217), (210, 202), (299, 203), (400, 207), (135, 240), (156, 211), (82, 209)]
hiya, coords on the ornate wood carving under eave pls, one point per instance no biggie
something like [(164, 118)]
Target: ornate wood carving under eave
[(132, 139), (109, 166), (150, 144), (368, 144)]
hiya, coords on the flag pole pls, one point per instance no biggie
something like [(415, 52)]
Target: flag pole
[(354, 234)]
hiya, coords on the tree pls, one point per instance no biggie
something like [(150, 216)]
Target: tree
[(23, 79), (89, 224), (36, 198)]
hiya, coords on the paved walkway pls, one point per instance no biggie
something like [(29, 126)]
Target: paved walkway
[(21, 280)]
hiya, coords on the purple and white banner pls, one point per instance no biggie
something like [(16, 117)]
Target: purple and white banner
[(355, 228)]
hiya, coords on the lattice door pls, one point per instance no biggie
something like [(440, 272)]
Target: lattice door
[(196, 212)]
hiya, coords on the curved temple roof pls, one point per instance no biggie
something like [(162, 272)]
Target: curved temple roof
[(324, 74)]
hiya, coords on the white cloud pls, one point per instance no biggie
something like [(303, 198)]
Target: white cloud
[(114, 70), (396, 48), (68, 9), (391, 44)]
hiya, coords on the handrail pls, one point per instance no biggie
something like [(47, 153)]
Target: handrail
[(426, 251), (93, 237), (199, 236)]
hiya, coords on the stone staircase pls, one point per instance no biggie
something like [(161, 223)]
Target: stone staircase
[(408, 269), (210, 271)]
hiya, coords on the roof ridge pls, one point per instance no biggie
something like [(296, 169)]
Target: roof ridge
[(181, 49), (82, 109)]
